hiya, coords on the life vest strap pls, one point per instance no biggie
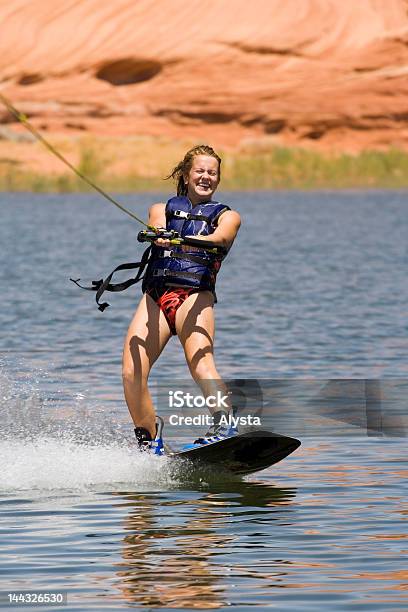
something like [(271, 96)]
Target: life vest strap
[(100, 286), (182, 214), (173, 273), (190, 257)]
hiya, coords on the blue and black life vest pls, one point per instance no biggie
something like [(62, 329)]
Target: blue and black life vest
[(179, 266), (186, 266)]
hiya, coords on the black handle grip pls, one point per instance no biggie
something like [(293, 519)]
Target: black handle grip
[(151, 236)]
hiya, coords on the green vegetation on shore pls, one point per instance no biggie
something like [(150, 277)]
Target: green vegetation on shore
[(250, 169)]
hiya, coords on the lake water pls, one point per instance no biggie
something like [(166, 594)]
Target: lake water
[(313, 290)]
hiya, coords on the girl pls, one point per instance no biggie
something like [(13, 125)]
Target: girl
[(179, 291)]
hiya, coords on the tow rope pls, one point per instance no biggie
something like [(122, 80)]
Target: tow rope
[(151, 235), (24, 121)]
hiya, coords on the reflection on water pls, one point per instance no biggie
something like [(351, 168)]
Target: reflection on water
[(174, 557)]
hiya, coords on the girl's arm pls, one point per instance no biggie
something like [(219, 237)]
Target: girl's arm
[(157, 215), (227, 229)]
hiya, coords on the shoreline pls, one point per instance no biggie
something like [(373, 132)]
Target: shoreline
[(140, 164)]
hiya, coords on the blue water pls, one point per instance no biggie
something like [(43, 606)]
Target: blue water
[(314, 289)]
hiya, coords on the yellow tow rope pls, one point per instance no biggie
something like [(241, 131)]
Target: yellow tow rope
[(23, 119)]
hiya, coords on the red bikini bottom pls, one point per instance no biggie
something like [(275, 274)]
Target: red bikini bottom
[(169, 301)]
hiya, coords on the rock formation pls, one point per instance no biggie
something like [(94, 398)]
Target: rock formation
[(326, 74)]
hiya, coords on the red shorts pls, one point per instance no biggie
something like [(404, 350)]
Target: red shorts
[(169, 301)]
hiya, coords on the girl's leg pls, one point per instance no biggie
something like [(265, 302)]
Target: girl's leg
[(147, 336), (195, 329)]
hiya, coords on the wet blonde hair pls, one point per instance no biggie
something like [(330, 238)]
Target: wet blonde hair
[(184, 166)]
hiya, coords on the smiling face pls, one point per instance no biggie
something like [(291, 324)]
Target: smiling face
[(203, 179)]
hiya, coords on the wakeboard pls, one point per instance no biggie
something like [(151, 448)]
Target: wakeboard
[(242, 454)]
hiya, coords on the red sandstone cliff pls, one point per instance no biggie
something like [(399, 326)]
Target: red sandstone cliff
[(331, 74)]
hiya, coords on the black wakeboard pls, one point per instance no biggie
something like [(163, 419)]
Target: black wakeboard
[(244, 453)]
